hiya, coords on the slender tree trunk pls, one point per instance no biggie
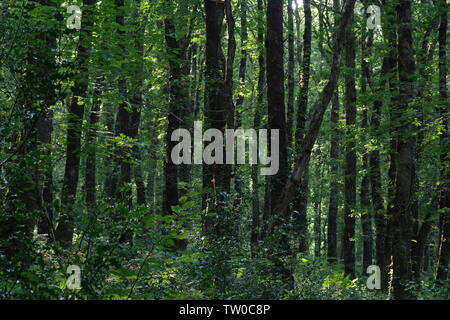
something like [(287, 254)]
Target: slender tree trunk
[(318, 204), (334, 184), (375, 175), (137, 83), (444, 197), (334, 166), (299, 45), (301, 199), (171, 192), (350, 156), (421, 230), (177, 114), (256, 234), (152, 172), (317, 229), (28, 185), (317, 112), (291, 79), (123, 125), (91, 160), (110, 182), (46, 223), (233, 120), (65, 228), (216, 176), (277, 120), (46, 75), (366, 210), (401, 251), (386, 222)]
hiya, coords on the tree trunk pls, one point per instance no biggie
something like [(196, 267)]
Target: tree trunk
[(91, 160), (124, 194), (334, 166), (386, 222), (375, 175), (334, 183), (233, 120), (366, 210), (350, 155), (444, 197), (216, 176), (256, 234), (240, 99), (45, 129), (171, 192), (401, 248), (301, 199), (177, 113), (317, 113), (291, 80), (277, 120), (65, 228)]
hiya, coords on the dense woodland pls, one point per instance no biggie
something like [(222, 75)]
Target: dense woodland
[(87, 178)]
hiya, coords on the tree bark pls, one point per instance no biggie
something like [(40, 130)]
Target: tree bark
[(124, 193), (171, 191), (277, 120), (316, 114), (65, 228), (334, 166), (366, 210), (444, 197), (300, 203), (291, 78), (350, 155), (215, 179), (240, 99), (257, 231), (401, 251), (334, 183)]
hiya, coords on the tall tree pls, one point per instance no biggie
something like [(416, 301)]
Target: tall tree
[(256, 234), (214, 180), (383, 217), (178, 97), (366, 210), (123, 124), (242, 74), (334, 167), (350, 154), (171, 191), (444, 197), (216, 176), (300, 203), (290, 75), (317, 112), (91, 159), (401, 251), (334, 184), (65, 228), (277, 120), (139, 21), (27, 170)]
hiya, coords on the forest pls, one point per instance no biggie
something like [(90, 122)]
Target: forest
[(224, 150)]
